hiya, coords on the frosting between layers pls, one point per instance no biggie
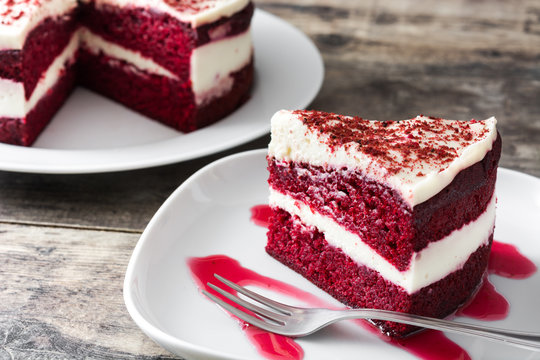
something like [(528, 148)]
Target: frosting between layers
[(292, 140), (96, 44), (18, 19), (13, 103), (211, 78), (196, 13), (426, 267)]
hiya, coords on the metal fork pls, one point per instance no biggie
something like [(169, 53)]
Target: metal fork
[(296, 321)]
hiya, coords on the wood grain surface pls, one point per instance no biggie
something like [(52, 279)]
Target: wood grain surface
[(66, 239)]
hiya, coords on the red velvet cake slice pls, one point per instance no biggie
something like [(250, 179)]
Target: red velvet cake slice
[(38, 45), (397, 215), (184, 63)]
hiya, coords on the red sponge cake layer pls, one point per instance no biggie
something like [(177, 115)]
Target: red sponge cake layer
[(165, 99), (159, 97), (24, 131), (157, 35), (221, 106), (44, 44), (390, 215)]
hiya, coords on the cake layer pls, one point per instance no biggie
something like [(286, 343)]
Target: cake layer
[(11, 65), (305, 250), (97, 45), (13, 102), (219, 107), (417, 157), (211, 79), (377, 214), (20, 17), (208, 80), (24, 130), (44, 43), (159, 97), (157, 35), (195, 13), (425, 267)]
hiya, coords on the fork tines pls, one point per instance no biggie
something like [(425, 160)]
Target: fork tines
[(276, 317)]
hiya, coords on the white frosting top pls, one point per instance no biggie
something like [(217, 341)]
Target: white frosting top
[(416, 157), (19, 17), (195, 12)]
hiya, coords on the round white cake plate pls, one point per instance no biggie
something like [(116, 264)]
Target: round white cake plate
[(209, 214), (93, 134)]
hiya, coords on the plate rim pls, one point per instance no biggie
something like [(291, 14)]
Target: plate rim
[(69, 160), (153, 331), (143, 323)]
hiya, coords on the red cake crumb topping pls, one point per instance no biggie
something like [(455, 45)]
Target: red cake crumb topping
[(13, 10), (397, 144)]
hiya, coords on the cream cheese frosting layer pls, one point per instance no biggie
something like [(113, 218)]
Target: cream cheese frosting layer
[(95, 44), (211, 78), (426, 266), (196, 13), (19, 17), (13, 103), (417, 157)]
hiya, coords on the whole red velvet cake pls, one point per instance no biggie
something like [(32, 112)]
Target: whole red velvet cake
[(396, 215), (185, 63)]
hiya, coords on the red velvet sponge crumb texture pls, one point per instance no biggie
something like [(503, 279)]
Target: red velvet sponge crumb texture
[(378, 214), (158, 36), (224, 105), (24, 131), (305, 250), (43, 45), (158, 97)]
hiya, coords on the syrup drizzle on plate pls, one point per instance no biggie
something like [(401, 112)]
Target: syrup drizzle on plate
[(487, 304), (506, 260), (260, 215), (271, 346)]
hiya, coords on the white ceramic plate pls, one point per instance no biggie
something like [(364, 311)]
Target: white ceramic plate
[(93, 134), (209, 214)]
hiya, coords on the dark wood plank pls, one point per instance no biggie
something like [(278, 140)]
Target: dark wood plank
[(61, 296)]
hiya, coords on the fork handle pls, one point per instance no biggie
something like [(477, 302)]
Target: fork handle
[(523, 339)]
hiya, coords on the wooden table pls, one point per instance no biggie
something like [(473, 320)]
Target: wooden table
[(66, 239)]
